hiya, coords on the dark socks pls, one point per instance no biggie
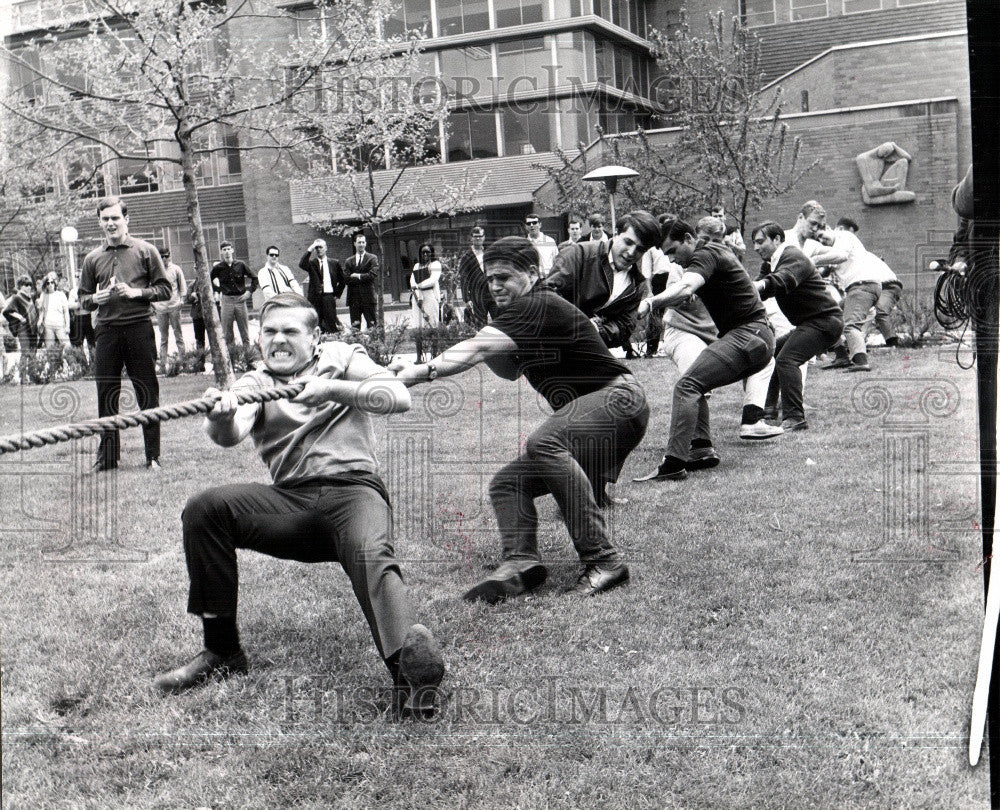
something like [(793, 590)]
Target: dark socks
[(221, 636), (701, 444), (672, 464), (752, 414)]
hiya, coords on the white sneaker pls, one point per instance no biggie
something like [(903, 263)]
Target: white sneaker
[(760, 430)]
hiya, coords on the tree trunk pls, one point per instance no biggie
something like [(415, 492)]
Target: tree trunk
[(221, 365), (380, 281)]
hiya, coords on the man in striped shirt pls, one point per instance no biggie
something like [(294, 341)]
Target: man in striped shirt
[(275, 278)]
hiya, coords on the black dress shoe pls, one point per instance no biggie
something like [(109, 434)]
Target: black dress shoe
[(597, 579), (421, 669), (205, 666), (667, 471), (702, 458), (101, 465), (840, 362), (507, 581)]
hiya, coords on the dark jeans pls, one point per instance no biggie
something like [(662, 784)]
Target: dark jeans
[(571, 455), (806, 340), (891, 292), (132, 347), (346, 523), (654, 329), (328, 320), (81, 328), (739, 353), (359, 308), (199, 332)]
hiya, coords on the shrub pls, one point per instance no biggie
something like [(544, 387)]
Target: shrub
[(381, 343)]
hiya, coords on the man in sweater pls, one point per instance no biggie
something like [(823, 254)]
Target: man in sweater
[(802, 295), (326, 502), (121, 280), (229, 277)]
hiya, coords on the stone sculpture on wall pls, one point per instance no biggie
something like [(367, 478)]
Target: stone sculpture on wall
[(883, 175)]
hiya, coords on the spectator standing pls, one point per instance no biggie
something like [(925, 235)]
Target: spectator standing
[(544, 244), (360, 274), (479, 303), (597, 233), (229, 278), (168, 313), (425, 289), (81, 324), (22, 317), (733, 237), (575, 233), (122, 279), (53, 315), (325, 284), (274, 278)]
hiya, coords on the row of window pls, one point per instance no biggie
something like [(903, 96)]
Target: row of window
[(765, 12), (547, 124), (178, 239), (442, 18), (536, 63)]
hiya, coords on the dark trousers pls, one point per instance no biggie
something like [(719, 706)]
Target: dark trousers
[(806, 340), (81, 328), (571, 455), (739, 353), (359, 308), (327, 309), (132, 347), (346, 523), (199, 332), (654, 330)]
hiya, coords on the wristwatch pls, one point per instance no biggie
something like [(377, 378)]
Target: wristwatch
[(432, 372)]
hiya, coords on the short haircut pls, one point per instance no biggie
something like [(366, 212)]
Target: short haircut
[(24, 280), (225, 244), (662, 218), (164, 252), (678, 230), (354, 238), (516, 251), (811, 206), (269, 248), (712, 227), (847, 222), (771, 230), (645, 226), (477, 230), (110, 202), (289, 300), (595, 220), (427, 245), (575, 221)]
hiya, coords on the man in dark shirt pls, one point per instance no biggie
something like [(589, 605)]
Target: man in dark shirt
[(121, 280), (744, 347), (479, 303), (599, 417), (803, 297), (229, 277)]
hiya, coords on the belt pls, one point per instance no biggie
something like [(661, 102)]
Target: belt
[(850, 287)]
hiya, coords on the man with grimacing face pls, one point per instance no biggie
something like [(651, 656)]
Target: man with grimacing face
[(326, 502), (542, 336)]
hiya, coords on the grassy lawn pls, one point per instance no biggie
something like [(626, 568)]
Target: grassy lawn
[(801, 629)]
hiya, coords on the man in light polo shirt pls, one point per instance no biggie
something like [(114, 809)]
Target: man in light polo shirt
[(274, 278), (327, 502)]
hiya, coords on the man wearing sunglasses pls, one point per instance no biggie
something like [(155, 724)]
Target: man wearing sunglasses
[(274, 278)]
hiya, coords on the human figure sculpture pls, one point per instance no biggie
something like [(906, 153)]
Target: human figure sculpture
[(883, 175)]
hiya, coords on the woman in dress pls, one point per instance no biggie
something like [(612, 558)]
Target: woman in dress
[(425, 296)]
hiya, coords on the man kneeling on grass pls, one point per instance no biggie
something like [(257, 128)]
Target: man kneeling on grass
[(327, 502), (599, 417)]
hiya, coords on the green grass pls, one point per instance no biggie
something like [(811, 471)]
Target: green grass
[(822, 681)]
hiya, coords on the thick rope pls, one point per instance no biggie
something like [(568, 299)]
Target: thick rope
[(78, 430)]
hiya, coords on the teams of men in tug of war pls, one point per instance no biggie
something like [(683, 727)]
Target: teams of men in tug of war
[(545, 311)]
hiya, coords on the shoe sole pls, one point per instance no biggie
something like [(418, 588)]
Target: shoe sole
[(422, 666), (858, 368), (796, 428), (761, 436), (655, 475), (493, 591)]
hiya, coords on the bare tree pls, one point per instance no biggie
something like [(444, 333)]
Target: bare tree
[(165, 84)]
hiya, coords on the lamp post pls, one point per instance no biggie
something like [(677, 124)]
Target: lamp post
[(610, 175), (69, 236)]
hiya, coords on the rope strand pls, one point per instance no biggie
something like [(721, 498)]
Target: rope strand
[(79, 430)]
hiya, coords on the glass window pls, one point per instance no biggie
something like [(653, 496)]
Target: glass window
[(467, 71), (571, 50), (472, 135), (855, 6), (602, 8), (577, 118), (411, 18), (808, 9), (136, 176), (913, 2), (604, 62), (462, 16), (519, 12), (571, 8), (758, 12), (310, 23), (526, 134), (524, 65), (24, 78), (85, 172)]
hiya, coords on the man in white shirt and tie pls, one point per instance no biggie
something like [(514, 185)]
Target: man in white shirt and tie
[(325, 284), (274, 277)]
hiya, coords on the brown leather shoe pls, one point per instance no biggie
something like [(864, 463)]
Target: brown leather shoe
[(597, 579), (205, 666)]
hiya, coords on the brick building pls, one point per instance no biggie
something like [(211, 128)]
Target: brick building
[(538, 74)]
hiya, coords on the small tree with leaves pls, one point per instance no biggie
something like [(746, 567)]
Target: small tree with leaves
[(732, 143), (163, 84)]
